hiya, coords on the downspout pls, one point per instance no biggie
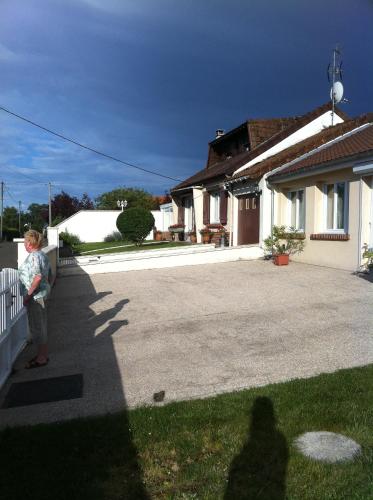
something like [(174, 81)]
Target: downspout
[(272, 209), (360, 223), (232, 215)]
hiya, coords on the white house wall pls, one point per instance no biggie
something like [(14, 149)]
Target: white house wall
[(95, 225), (309, 130)]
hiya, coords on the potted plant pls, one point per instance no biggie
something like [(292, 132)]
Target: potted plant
[(177, 229), (193, 237), (206, 235), (284, 242), (158, 235)]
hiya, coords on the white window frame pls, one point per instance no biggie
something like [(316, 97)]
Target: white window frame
[(334, 230), (215, 207), (300, 229)]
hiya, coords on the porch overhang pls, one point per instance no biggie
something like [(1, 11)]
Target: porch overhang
[(242, 186)]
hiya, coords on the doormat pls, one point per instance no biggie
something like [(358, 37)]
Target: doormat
[(45, 390)]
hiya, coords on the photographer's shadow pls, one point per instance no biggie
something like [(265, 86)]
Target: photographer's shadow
[(259, 470)]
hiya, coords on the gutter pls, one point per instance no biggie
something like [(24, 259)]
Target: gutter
[(319, 169)]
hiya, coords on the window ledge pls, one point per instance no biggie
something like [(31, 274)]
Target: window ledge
[(330, 236)]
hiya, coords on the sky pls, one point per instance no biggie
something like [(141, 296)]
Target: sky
[(150, 81)]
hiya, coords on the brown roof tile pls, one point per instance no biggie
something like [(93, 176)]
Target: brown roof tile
[(359, 142), (227, 167), (301, 148)]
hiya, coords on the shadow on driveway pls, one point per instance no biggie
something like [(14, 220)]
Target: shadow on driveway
[(87, 458)]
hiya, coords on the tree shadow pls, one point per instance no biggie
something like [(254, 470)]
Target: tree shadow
[(259, 470)]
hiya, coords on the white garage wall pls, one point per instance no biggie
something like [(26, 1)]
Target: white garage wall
[(94, 225)]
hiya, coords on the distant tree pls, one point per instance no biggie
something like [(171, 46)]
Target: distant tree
[(134, 196), (10, 219), (86, 203), (64, 205), (135, 224), (36, 216)]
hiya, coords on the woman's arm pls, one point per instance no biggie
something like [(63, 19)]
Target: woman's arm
[(34, 286)]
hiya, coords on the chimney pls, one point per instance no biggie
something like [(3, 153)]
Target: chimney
[(219, 133)]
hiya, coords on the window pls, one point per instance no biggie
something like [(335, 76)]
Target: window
[(214, 207), (297, 212), (335, 196)]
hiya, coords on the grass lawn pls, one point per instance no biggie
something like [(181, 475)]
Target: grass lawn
[(234, 446), (123, 246)]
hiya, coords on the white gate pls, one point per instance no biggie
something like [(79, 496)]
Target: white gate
[(13, 322)]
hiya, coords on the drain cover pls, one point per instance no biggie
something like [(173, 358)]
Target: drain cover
[(327, 446), (44, 390)]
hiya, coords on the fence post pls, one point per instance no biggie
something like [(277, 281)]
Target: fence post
[(21, 250), (53, 238)]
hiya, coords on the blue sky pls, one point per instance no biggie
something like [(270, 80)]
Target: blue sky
[(149, 81)]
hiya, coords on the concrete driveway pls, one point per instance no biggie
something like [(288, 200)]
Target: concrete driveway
[(197, 331)]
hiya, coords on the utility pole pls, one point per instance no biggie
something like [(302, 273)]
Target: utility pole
[(1, 209), (50, 203), (19, 217)]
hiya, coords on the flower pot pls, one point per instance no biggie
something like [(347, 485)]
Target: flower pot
[(206, 237), (281, 259), (158, 236), (193, 238)]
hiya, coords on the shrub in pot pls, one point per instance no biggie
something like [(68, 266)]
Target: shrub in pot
[(284, 242)]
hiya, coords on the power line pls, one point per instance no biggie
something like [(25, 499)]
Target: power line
[(86, 147)]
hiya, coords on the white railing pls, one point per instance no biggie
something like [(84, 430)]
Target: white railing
[(13, 322)]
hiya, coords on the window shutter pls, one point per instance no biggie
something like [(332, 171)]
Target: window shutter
[(206, 208), (223, 206)]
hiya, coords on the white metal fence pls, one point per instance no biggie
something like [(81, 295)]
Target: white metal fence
[(13, 322)]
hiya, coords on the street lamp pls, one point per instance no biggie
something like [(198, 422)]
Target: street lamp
[(122, 204)]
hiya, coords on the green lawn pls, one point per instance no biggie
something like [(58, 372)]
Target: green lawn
[(122, 246), (234, 446)]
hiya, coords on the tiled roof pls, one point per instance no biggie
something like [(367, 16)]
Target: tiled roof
[(227, 167), (357, 143), (301, 148)]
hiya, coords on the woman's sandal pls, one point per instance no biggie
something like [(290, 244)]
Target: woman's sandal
[(34, 363)]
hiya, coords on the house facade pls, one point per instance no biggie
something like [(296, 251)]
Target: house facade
[(327, 194), (223, 194)]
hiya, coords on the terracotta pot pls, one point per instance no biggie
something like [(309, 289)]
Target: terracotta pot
[(206, 237), (281, 259), (158, 236), (193, 238)]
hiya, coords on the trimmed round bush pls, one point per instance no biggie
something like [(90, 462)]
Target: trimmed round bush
[(135, 224)]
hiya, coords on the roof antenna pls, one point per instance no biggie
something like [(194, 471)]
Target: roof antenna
[(335, 78)]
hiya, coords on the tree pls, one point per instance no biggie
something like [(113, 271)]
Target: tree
[(86, 203), (36, 215), (10, 217), (64, 205), (134, 196), (135, 224)]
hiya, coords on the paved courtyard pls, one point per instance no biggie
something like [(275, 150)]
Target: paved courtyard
[(197, 331)]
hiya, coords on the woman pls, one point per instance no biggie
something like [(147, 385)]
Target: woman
[(35, 288)]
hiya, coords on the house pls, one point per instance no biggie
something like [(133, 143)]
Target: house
[(326, 192), (220, 195)]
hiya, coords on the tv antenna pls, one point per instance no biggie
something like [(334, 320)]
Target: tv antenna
[(335, 76)]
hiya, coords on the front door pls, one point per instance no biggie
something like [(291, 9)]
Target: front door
[(248, 219)]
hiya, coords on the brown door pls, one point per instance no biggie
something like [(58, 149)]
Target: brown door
[(248, 219)]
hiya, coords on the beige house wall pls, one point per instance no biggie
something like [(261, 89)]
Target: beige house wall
[(337, 254)]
